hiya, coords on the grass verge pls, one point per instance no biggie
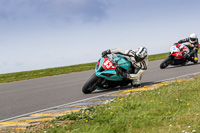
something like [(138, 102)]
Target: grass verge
[(10, 77), (173, 108)]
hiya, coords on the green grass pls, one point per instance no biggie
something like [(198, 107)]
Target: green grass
[(10, 77), (174, 108), (158, 56)]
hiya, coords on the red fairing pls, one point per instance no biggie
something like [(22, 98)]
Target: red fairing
[(177, 45), (179, 55), (107, 64)]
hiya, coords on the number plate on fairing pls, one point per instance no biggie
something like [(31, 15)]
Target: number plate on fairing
[(107, 64)]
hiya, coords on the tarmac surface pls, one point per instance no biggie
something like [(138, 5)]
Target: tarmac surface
[(25, 98)]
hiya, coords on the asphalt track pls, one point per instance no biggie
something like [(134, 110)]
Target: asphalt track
[(22, 97)]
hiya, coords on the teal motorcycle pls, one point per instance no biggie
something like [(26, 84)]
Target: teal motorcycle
[(106, 76)]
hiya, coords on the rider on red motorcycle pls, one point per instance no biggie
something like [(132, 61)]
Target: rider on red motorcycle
[(138, 59), (193, 46), (182, 51)]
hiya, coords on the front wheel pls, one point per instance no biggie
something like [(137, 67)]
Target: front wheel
[(165, 63), (90, 84)]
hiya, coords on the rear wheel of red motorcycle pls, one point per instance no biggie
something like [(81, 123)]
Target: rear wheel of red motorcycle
[(165, 63), (90, 84)]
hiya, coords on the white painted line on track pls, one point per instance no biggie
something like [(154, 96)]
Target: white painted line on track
[(4, 120)]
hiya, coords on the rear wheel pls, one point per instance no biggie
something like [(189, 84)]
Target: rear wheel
[(195, 62), (90, 84), (165, 63)]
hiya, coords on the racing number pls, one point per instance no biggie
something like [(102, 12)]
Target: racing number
[(108, 64)]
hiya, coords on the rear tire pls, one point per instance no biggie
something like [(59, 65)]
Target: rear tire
[(90, 84), (165, 63)]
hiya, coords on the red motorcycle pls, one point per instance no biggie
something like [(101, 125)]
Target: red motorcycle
[(176, 56)]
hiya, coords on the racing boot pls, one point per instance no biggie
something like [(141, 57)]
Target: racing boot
[(195, 60), (136, 82), (192, 59)]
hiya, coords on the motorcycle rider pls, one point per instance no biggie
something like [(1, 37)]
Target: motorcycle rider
[(193, 46), (138, 59)]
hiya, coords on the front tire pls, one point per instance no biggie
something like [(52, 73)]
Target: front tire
[(90, 84), (165, 63)]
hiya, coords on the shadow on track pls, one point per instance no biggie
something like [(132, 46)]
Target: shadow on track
[(174, 66), (122, 88)]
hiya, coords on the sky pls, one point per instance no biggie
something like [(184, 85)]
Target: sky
[(39, 34)]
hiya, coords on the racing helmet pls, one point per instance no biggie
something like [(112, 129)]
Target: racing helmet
[(140, 54), (193, 38)]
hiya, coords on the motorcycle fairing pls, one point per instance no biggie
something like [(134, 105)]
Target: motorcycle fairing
[(177, 53), (106, 69), (107, 64), (176, 62)]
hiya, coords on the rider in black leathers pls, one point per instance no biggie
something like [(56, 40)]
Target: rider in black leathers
[(193, 46)]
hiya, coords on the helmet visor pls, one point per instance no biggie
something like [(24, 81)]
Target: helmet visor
[(193, 39), (138, 59)]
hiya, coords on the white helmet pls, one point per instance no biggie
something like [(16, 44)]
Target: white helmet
[(193, 38), (141, 53)]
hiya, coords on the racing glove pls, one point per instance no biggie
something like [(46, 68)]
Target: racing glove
[(104, 53)]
